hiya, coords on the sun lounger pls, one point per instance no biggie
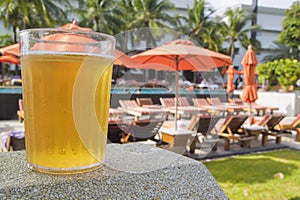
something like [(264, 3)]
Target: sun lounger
[(232, 130), (230, 107), (132, 108), (258, 109), (183, 102), (20, 112), (272, 128), (115, 130), (203, 103), (293, 126), (178, 140), (183, 107), (144, 101), (206, 123), (141, 130)]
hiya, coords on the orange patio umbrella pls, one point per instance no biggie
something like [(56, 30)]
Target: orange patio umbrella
[(181, 55), (11, 50), (9, 59), (15, 48), (249, 63), (123, 59), (74, 26), (120, 57), (230, 76)]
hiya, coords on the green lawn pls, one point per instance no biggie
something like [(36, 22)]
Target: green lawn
[(254, 176)]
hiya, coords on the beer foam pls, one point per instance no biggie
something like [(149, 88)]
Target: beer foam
[(68, 53)]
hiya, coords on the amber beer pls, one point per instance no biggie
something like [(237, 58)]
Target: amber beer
[(66, 92)]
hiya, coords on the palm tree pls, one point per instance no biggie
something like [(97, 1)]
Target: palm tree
[(149, 14), (278, 51), (237, 29), (213, 38), (22, 14), (198, 21), (102, 16)]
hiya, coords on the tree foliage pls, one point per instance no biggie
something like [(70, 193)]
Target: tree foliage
[(5, 40), (277, 51), (202, 27), (290, 35), (235, 28), (22, 14), (101, 15)]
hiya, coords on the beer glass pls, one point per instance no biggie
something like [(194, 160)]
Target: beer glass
[(66, 78)]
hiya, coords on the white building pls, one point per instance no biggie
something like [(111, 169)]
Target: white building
[(270, 21)]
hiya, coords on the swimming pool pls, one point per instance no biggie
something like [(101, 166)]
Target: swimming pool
[(18, 90), (9, 97), (164, 91), (10, 90)]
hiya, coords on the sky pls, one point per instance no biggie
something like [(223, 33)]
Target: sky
[(222, 4)]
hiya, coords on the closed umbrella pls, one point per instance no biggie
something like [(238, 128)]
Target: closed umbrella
[(249, 63), (230, 76), (182, 55)]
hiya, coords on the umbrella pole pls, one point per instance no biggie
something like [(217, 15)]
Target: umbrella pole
[(250, 109), (176, 98), (176, 90), (250, 115)]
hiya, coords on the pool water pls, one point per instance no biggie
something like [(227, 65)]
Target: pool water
[(10, 90), (18, 90)]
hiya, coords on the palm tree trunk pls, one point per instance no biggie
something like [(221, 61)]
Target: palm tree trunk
[(232, 50), (15, 34)]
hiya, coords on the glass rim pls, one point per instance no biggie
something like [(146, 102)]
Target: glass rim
[(106, 37)]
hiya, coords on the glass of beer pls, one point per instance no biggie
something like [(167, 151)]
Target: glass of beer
[(66, 78)]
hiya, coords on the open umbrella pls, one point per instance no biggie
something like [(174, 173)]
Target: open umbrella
[(120, 57), (11, 50), (182, 55), (9, 59), (249, 63), (74, 26)]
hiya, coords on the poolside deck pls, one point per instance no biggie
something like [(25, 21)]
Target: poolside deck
[(205, 151)]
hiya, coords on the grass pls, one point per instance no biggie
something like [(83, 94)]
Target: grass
[(257, 176)]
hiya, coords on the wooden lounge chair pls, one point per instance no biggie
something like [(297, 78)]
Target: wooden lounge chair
[(183, 107), (293, 126), (141, 130), (203, 103), (20, 112), (232, 130), (183, 102), (230, 107), (144, 101), (258, 109), (271, 124), (167, 102), (132, 108), (115, 131), (179, 140), (206, 123), (127, 104)]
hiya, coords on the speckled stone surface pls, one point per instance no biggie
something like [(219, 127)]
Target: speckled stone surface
[(131, 171)]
